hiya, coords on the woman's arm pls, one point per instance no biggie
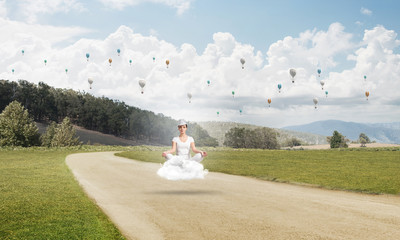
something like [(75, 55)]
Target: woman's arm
[(195, 150), (172, 150)]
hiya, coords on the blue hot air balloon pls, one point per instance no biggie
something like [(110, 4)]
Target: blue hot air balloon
[(279, 87), (23, 51), (326, 93), (130, 61), (319, 72), (87, 56), (118, 51)]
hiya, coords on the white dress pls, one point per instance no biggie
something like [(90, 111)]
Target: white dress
[(182, 166)]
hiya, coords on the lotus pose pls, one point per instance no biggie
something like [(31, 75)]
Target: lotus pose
[(182, 165)]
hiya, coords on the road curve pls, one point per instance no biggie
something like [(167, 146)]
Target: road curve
[(145, 206)]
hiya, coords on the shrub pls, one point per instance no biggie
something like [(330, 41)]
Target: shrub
[(337, 140), (17, 128), (60, 135)]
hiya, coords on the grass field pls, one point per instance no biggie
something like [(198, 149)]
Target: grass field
[(40, 199), (372, 170)]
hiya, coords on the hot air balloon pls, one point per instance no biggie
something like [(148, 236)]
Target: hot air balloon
[(279, 87), (130, 61), (23, 52), (12, 70), (45, 62), (208, 82), (90, 81), (269, 102), (292, 74), (66, 70), (240, 111), (167, 62), (315, 100), (154, 59), (233, 93), (142, 83), (326, 93), (319, 72), (118, 51), (322, 84), (242, 61), (189, 95), (110, 61), (367, 94), (217, 114), (365, 77), (87, 56)]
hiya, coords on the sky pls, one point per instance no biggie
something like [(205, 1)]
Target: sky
[(355, 44)]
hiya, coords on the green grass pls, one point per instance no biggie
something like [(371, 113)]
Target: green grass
[(370, 170), (40, 198)]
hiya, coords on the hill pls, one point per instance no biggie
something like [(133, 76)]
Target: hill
[(217, 130), (379, 132), (95, 138)]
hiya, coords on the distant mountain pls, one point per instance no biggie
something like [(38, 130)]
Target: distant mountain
[(217, 130), (379, 132)]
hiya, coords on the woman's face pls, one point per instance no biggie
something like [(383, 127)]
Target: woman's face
[(182, 128)]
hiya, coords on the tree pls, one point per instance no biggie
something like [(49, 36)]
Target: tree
[(264, 138), (363, 139), (17, 128), (48, 136), (65, 135), (337, 140), (293, 142)]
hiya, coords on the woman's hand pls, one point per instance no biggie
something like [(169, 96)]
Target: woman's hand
[(203, 153), (164, 154)]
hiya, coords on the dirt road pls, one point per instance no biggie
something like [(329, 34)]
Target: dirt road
[(145, 206)]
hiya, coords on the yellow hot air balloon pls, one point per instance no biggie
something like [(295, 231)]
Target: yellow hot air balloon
[(367, 94), (269, 102), (167, 62), (110, 61)]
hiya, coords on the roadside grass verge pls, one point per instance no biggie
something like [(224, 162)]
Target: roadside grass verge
[(40, 198), (373, 170)]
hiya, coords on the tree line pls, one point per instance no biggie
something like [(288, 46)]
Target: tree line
[(48, 104)]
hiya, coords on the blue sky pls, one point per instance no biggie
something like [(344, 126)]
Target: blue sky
[(347, 39), (252, 22)]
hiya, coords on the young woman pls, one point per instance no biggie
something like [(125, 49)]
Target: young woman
[(182, 165)]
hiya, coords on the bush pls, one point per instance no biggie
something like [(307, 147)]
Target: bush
[(48, 136), (264, 138), (17, 128), (337, 140), (293, 142), (60, 135)]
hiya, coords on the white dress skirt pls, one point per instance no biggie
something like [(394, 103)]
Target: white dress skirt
[(182, 166)]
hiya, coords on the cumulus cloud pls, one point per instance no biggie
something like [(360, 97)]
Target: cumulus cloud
[(31, 9), (366, 11), (180, 5), (189, 70), (3, 9)]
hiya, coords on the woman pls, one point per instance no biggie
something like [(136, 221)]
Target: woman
[(182, 165)]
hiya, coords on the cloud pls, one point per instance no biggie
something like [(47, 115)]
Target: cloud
[(180, 5), (359, 23), (31, 9), (366, 11), (3, 9), (189, 70)]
